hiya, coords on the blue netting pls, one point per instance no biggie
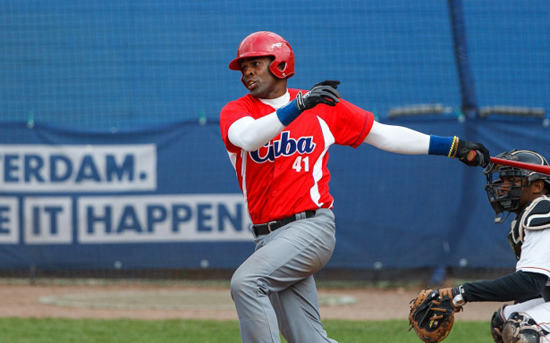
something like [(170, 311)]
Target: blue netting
[(132, 63)]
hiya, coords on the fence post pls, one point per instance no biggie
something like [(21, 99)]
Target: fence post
[(469, 104)]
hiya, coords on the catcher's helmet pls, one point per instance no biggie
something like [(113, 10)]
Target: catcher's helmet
[(265, 43), (508, 201)]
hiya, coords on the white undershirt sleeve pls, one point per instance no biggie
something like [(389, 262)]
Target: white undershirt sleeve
[(398, 139), (251, 134)]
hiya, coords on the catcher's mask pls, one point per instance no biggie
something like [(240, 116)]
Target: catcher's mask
[(505, 196), (265, 43)]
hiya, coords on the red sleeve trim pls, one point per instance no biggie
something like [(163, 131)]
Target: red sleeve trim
[(366, 129), (228, 145)]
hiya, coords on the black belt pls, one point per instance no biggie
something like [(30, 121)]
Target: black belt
[(264, 229)]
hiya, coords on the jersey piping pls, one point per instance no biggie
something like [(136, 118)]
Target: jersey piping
[(318, 166)]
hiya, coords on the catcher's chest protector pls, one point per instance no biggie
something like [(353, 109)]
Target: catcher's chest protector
[(515, 239), (536, 216)]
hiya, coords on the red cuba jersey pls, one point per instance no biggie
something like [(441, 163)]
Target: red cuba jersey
[(289, 174)]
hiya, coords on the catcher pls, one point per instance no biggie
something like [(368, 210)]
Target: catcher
[(527, 320)]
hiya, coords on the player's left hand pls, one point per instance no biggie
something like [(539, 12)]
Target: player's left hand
[(482, 157), (432, 314), (323, 92)]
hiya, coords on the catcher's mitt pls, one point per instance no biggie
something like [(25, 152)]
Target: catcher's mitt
[(432, 314)]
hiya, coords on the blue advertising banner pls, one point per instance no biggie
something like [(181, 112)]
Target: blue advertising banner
[(167, 197), (138, 199)]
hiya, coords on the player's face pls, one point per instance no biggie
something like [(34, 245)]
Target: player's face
[(506, 183), (527, 191), (259, 80)]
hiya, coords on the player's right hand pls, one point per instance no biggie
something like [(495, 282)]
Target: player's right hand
[(323, 92), (482, 156)]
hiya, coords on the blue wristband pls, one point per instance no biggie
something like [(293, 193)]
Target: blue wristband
[(440, 145), (288, 113)]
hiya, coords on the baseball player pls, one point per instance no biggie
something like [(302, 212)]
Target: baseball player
[(278, 140), (526, 194)]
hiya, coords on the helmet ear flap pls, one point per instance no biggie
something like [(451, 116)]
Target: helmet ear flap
[(281, 66)]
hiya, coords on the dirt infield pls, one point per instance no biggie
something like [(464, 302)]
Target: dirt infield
[(146, 301)]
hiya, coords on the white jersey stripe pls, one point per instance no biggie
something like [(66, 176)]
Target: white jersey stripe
[(233, 159), (244, 154), (317, 171)]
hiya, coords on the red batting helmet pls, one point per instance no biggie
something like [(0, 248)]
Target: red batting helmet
[(265, 43)]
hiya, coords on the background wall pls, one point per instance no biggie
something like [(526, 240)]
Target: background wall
[(129, 75)]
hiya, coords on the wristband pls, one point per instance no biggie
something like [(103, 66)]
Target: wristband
[(458, 296), (442, 145), (288, 113)]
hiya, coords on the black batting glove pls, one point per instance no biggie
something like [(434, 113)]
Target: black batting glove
[(482, 155), (321, 93), (333, 83)]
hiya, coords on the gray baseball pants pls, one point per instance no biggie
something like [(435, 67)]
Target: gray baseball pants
[(274, 289)]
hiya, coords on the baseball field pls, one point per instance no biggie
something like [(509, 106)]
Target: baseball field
[(96, 311)]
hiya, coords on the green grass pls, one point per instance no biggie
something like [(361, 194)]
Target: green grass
[(397, 331), (18, 330)]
